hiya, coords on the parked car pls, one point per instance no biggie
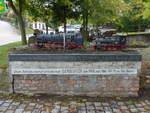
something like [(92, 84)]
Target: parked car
[(70, 28)]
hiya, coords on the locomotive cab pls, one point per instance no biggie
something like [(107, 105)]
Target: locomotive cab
[(122, 40)]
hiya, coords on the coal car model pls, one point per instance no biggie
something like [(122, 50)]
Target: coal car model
[(110, 43), (57, 41)]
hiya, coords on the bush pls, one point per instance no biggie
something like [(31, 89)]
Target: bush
[(136, 44)]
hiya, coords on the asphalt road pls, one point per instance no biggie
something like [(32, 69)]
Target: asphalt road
[(8, 33)]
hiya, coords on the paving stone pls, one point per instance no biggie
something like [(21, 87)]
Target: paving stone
[(89, 103), (12, 107), (90, 111), (15, 103), (44, 112), (49, 104), (1, 102), (99, 108), (81, 108), (116, 110), (100, 112), (73, 102), (39, 106), (32, 104), (30, 108), (121, 103), (108, 109), (65, 111), (143, 103), (131, 106), (141, 109), (36, 111), (19, 110), (64, 108), (3, 108), (22, 106), (138, 105), (145, 112), (81, 104), (27, 112), (9, 106), (56, 109), (9, 111), (97, 103), (125, 111), (108, 112), (90, 107), (134, 110), (8, 101), (82, 111), (5, 104), (105, 104), (124, 107)]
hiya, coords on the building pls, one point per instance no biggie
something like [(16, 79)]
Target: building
[(41, 26)]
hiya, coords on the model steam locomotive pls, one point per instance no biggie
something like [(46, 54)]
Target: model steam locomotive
[(75, 40), (59, 41), (110, 43)]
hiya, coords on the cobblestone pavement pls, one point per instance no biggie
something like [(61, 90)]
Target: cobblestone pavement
[(26, 106)]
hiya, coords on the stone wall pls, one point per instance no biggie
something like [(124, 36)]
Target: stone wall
[(104, 75), (77, 85)]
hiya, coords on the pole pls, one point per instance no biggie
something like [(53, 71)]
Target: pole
[(64, 41)]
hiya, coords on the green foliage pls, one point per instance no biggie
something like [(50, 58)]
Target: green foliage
[(134, 19), (136, 44), (146, 12), (125, 15), (106, 11)]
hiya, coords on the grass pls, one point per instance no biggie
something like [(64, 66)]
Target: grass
[(4, 51), (138, 32)]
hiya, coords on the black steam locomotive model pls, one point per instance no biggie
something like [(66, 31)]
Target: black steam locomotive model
[(59, 41), (110, 43)]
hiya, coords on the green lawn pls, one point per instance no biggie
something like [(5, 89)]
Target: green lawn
[(4, 51), (137, 33)]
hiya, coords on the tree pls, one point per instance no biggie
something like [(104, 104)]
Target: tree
[(52, 12), (19, 14), (39, 11), (64, 10), (99, 12), (146, 12), (133, 20)]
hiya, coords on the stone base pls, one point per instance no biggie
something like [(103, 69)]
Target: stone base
[(91, 85)]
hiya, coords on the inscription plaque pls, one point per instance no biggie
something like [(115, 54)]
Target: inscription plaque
[(75, 71)]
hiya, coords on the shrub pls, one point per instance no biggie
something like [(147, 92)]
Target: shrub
[(136, 44)]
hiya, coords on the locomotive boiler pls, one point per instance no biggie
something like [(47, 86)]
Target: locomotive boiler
[(59, 41)]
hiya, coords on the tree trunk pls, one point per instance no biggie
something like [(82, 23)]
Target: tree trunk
[(86, 22), (65, 26), (139, 28), (85, 26), (22, 30), (46, 28), (20, 20)]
